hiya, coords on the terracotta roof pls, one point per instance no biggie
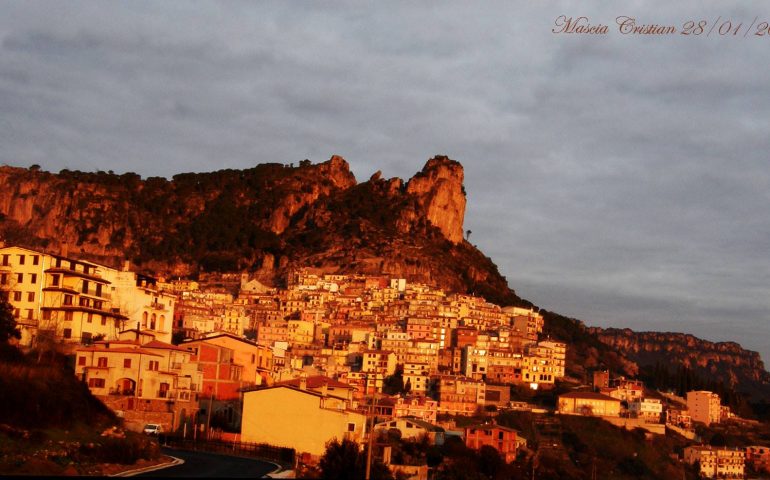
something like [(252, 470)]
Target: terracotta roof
[(118, 350)]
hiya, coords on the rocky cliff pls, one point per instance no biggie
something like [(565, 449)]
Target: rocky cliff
[(725, 362), (264, 220)]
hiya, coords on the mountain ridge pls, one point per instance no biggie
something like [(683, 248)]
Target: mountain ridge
[(271, 218)]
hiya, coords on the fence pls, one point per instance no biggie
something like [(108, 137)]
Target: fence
[(281, 455)]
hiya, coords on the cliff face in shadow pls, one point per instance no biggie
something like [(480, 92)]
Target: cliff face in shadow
[(725, 362)]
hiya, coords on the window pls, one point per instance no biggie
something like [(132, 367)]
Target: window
[(85, 286), (4, 279), (33, 278), (104, 320), (126, 363), (90, 317), (30, 313), (16, 296), (6, 260), (98, 289), (154, 365), (68, 316), (19, 278), (67, 299), (21, 259), (101, 362), (351, 427), (96, 383), (86, 337), (35, 259), (81, 361), (46, 314), (55, 280), (67, 333)]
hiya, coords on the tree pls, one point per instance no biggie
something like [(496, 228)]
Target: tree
[(8, 328), (344, 461), (394, 384), (489, 461)]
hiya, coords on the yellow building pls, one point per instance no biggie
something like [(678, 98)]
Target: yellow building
[(155, 370), (589, 403), (56, 298), (152, 382), (298, 418)]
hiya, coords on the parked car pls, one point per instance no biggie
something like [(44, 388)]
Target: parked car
[(153, 429)]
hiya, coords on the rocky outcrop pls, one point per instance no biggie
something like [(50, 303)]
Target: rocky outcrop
[(440, 196), (267, 220), (337, 177), (727, 362)]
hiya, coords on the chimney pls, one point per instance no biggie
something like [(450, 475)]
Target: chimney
[(65, 249), (303, 382), (126, 265), (137, 332)]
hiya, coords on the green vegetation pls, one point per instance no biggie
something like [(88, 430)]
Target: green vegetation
[(345, 461), (8, 328)]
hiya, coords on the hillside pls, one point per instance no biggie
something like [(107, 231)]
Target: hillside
[(50, 424), (271, 218)]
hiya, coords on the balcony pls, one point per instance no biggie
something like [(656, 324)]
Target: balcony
[(157, 306), (92, 292)]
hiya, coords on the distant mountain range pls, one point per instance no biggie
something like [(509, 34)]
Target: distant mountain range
[(273, 217)]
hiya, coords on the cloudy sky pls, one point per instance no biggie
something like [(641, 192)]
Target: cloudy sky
[(620, 179)]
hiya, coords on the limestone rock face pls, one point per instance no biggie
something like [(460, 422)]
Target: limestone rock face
[(334, 174), (440, 196), (725, 361)]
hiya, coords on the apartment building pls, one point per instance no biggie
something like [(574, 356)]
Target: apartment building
[(717, 462), (55, 298), (503, 439), (704, 406), (146, 382)]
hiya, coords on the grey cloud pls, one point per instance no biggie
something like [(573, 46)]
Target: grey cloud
[(622, 180)]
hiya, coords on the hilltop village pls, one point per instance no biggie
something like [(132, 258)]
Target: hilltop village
[(329, 356)]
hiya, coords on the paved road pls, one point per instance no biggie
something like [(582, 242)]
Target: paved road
[(211, 465)]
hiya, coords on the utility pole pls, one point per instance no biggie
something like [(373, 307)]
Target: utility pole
[(371, 436), (208, 420)]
